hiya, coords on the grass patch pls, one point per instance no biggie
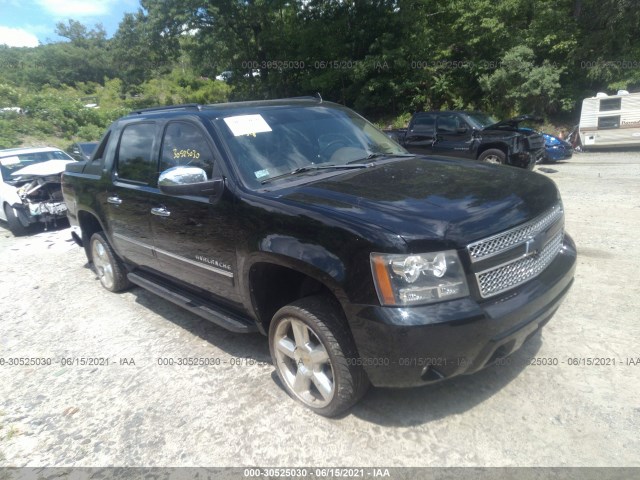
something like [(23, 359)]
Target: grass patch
[(13, 431)]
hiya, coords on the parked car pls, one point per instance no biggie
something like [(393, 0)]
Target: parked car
[(299, 219), (30, 186), (556, 149), (473, 136), (225, 76), (82, 150)]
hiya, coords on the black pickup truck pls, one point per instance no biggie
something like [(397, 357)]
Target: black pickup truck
[(473, 136), (297, 218)]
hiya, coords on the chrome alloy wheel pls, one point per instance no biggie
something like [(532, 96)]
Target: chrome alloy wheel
[(303, 362), (493, 159), (102, 264)]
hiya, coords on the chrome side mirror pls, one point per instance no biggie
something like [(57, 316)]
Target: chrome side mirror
[(181, 176), (190, 181)]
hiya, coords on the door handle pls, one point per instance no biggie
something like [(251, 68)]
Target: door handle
[(160, 211), (114, 200)]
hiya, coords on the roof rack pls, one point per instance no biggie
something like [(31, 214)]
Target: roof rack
[(317, 97), (199, 107), (184, 106)]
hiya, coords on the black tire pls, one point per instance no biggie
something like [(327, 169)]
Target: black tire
[(327, 331), (493, 156), (14, 223), (109, 268)]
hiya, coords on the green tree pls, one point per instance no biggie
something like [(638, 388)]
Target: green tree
[(521, 86)]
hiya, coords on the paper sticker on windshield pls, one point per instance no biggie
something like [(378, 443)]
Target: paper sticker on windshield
[(10, 160), (247, 125), (261, 174)]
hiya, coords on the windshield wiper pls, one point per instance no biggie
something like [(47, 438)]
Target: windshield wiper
[(311, 168), (371, 156)]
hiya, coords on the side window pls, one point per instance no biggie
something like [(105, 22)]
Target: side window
[(423, 123), (100, 149), (135, 160), (448, 123), (186, 144), (609, 122), (610, 104)]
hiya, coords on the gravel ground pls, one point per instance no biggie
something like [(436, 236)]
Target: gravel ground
[(135, 412)]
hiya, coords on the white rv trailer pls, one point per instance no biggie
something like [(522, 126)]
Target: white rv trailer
[(610, 120)]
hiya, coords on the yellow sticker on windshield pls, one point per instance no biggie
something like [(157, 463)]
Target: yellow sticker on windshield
[(188, 153), (247, 125)]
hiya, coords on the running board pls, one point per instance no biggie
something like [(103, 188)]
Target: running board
[(207, 310)]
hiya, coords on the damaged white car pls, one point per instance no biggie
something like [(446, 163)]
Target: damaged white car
[(30, 187)]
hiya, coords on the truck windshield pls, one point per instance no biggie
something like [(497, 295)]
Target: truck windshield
[(269, 142), (481, 120)]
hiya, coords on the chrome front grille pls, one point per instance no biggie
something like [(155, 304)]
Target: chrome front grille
[(525, 251), (504, 277), (496, 244)]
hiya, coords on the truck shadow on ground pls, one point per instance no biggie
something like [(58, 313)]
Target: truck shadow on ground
[(36, 228), (382, 406), (252, 345), (416, 406)]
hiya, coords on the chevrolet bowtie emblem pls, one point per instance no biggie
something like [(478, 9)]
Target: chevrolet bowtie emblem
[(534, 244)]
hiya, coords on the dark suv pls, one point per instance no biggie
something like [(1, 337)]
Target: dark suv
[(299, 219), (473, 136)]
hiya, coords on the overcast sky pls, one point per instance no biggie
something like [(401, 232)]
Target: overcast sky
[(25, 23)]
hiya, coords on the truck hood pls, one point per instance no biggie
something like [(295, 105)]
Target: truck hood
[(512, 122), (429, 200), (43, 169)]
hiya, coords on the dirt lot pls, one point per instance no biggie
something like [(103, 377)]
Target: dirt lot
[(135, 412)]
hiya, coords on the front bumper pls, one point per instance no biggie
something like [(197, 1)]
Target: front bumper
[(526, 160), (404, 347), (557, 153), (34, 212)]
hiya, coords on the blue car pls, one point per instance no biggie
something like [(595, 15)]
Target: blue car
[(556, 149)]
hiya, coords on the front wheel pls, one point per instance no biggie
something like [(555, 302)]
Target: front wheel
[(107, 265), (493, 156), (14, 223), (315, 356)]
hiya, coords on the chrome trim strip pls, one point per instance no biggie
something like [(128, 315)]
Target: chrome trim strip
[(135, 242), (220, 271), (211, 268)]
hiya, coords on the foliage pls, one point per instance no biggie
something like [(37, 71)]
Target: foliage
[(385, 58), (519, 85)]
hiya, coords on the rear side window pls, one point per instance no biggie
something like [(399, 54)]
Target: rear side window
[(135, 153), (99, 154)]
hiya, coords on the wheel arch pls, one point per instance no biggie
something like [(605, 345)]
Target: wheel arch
[(491, 146), (273, 282), (89, 224)]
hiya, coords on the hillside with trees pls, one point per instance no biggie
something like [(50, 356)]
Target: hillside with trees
[(384, 58)]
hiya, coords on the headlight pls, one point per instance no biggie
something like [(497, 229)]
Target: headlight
[(418, 279)]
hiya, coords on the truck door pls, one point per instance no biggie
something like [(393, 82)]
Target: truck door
[(454, 138), (128, 195), (195, 240), (420, 134)]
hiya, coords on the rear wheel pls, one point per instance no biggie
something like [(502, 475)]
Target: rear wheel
[(107, 265), (494, 156), (315, 356), (14, 223)]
